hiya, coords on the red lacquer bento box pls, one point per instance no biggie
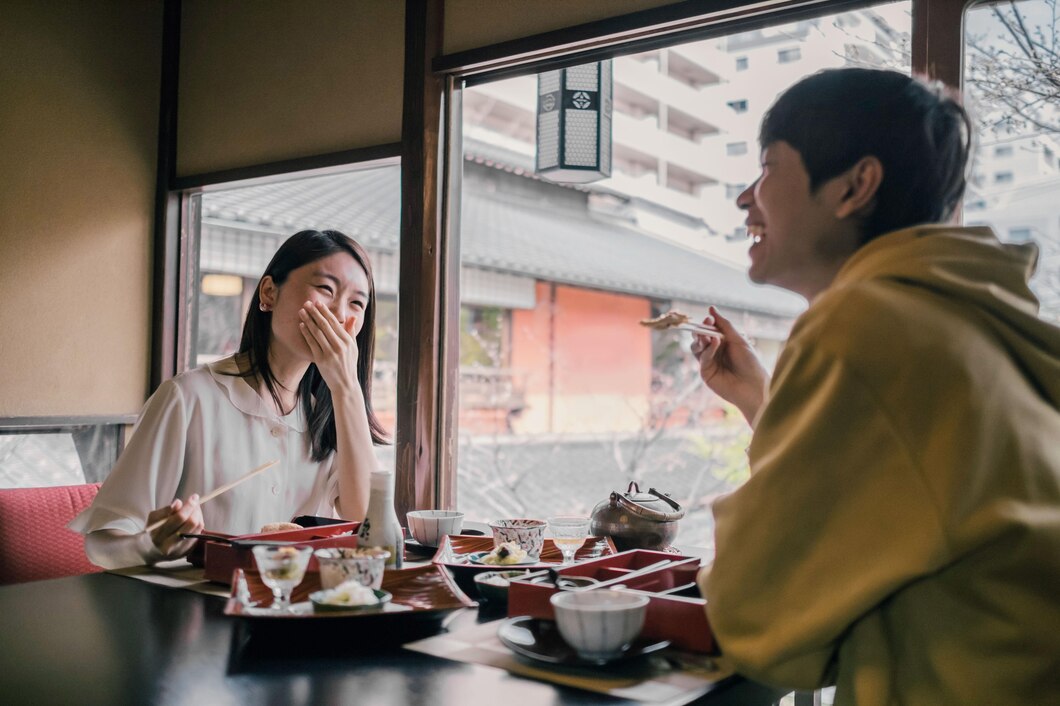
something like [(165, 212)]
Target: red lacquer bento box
[(221, 557), (682, 619)]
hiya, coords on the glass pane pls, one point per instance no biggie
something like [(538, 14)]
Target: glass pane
[(1012, 84), (240, 230), (67, 455), (563, 396)]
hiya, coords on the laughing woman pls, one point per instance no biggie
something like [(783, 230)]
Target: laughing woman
[(298, 391)]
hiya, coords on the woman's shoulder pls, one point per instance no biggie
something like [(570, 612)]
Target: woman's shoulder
[(205, 380)]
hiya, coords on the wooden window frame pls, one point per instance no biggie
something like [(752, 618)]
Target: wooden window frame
[(428, 383)]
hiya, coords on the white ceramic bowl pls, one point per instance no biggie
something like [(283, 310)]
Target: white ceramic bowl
[(341, 564), (528, 534), (429, 526), (599, 625)]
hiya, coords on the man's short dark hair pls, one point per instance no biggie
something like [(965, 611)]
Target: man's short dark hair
[(920, 134)]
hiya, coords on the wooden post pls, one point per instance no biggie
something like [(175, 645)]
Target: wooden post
[(421, 268)]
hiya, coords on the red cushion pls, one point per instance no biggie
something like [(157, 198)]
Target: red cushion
[(34, 541)]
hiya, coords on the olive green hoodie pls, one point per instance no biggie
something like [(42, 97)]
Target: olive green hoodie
[(900, 533)]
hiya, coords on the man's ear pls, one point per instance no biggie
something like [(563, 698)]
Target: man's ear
[(267, 293), (859, 186)]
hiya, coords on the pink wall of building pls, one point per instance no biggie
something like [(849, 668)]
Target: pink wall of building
[(577, 350)]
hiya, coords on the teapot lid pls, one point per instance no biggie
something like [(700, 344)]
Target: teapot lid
[(652, 505), (634, 493)]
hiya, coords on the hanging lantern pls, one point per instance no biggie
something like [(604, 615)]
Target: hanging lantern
[(574, 123)]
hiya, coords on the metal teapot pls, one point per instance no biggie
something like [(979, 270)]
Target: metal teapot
[(636, 520)]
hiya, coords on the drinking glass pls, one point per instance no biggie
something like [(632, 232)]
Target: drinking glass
[(281, 568), (568, 533)]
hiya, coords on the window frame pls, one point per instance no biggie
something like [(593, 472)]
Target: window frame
[(936, 53)]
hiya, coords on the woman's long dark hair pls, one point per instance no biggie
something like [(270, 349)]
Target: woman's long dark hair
[(301, 249)]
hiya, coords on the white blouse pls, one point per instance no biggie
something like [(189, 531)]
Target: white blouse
[(199, 431)]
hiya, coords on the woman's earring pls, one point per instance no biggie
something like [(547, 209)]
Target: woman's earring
[(261, 305)]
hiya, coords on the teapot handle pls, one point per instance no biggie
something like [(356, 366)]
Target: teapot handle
[(647, 513)]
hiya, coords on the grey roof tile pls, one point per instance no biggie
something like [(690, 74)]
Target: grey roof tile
[(500, 233)]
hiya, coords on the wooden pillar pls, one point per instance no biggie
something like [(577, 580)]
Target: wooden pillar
[(421, 267), (938, 39)]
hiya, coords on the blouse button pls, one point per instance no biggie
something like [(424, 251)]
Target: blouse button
[(275, 489), (276, 431)]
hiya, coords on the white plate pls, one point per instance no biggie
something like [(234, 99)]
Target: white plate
[(477, 558)]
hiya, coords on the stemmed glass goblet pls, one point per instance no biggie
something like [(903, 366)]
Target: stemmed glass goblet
[(568, 533), (281, 568)]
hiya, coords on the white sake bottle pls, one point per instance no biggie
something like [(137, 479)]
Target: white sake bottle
[(381, 527)]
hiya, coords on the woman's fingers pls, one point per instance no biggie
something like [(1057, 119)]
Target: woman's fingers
[(180, 516), (325, 328), (312, 338), (329, 323)]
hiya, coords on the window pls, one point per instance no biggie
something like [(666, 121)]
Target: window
[(786, 56), (736, 149), (1009, 79), (1019, 235), (239, 230), (45, 452), (562, 396)]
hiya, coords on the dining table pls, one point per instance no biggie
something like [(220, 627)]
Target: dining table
[(110, 639)]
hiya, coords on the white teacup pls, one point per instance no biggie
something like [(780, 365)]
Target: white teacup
[(599, 625), (429, 526), (341, 564), (528, 534)]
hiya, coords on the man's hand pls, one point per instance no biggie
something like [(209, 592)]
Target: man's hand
[(730, 366)]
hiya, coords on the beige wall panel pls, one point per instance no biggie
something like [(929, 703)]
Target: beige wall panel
[(470, 24), (265, 80), (79, 87)]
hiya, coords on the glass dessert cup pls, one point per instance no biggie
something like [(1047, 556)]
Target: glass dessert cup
[(281, 568), (568, 534)]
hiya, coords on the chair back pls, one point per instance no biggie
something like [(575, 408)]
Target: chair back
[(35, 543)]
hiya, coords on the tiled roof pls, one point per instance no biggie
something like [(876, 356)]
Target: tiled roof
[(504, 234)]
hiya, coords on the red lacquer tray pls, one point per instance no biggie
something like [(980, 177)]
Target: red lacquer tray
[(456, 548), (421, 591), (220, 559)]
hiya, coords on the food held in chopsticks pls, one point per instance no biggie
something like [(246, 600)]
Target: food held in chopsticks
[(679, 320), (664, 321), (505, 554)]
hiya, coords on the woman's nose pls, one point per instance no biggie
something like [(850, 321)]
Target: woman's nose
[(747, 197), (341, 311)]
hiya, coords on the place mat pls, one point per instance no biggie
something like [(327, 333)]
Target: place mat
[(179, 573), (174, 574), (668, 677)]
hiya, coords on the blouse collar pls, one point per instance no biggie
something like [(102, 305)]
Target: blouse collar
[(246, 399)]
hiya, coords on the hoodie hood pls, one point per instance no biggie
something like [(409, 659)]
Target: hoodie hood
[(971, 266)]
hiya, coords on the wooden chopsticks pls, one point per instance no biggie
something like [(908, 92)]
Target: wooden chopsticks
[(218, 491), (701, 329)]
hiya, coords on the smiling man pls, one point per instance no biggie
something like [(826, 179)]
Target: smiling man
[(900, 533)]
